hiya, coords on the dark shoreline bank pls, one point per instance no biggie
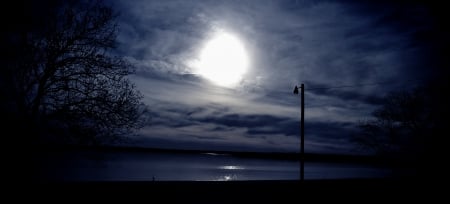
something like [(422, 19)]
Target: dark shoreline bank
[(276, 191)]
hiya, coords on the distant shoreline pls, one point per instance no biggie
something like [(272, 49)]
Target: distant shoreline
[(292, 156)]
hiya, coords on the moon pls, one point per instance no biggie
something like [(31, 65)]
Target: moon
[(223, 60)]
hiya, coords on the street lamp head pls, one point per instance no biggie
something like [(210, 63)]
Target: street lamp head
[(296, 90)]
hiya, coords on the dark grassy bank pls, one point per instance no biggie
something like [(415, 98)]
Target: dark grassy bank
[(364, 190)]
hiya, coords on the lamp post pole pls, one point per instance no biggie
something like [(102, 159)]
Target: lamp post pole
[(302, 130), (302, 136)]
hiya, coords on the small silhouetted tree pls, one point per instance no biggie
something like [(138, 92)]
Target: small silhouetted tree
[(400, 126), (63, 76)]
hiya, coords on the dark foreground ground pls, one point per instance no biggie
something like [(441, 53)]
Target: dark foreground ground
[(359, 190)]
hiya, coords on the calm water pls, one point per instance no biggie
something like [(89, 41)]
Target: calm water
[(139, 166)]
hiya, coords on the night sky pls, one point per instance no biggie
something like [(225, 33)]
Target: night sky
[(372, 47)]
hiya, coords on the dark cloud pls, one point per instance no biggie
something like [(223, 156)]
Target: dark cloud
[(257, 124), (329, 130)]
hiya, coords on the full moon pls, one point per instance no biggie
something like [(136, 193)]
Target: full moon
[(223, 60)]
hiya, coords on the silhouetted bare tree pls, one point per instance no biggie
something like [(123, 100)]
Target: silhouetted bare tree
[(64, 73), (400, 125)]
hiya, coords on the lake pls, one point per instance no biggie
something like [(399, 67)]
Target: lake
[(162, 166)]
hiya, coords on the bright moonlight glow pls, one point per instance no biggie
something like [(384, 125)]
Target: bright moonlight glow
[(223, 60)]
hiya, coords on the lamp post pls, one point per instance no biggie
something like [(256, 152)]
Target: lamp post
[(302, 130)]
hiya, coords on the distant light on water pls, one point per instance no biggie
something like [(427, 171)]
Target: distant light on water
[(228, 174), (232, 167), (227, 178)]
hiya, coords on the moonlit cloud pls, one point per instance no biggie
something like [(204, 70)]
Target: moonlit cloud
[(319, 43)]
